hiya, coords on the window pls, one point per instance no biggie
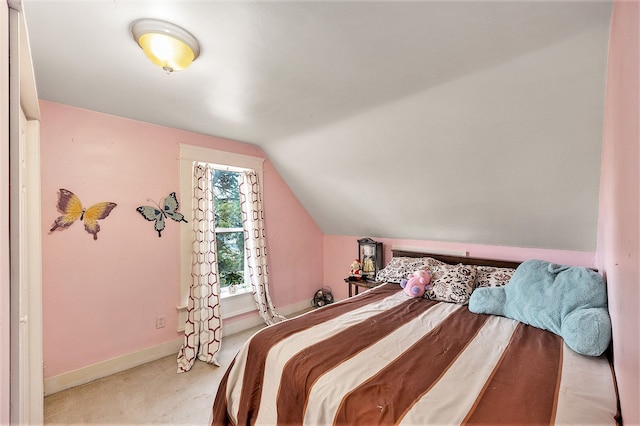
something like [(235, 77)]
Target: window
[(229, 232)]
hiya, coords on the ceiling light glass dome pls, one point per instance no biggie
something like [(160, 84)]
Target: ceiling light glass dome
[(170, 47)]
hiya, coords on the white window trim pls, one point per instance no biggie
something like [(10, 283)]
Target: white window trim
[(229, 229), (235, 304)]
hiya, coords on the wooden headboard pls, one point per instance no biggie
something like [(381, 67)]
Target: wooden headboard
[(453, 260)]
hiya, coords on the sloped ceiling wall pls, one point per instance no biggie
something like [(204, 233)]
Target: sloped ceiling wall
[(497, 142), (473, 122), (507, 154)]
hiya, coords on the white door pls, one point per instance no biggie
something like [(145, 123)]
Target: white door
[(30, 305), (25, 230), (23, 336)]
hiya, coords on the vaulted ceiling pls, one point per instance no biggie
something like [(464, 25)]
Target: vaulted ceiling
[(440, 120)]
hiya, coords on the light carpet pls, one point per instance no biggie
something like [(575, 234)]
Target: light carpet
[(151, 394)]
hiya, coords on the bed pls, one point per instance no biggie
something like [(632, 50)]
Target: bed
[(385, 358)]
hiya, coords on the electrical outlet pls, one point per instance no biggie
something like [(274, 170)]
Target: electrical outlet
[(161, 321)]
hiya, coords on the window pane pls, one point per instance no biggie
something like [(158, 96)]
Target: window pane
[(230, 251), (226, 198), (229, 243)]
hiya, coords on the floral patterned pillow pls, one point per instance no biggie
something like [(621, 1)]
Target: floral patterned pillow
[(489, 276), (399, 267), (452, 283)]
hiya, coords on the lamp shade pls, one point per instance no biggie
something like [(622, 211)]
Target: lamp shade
[(165, 44)]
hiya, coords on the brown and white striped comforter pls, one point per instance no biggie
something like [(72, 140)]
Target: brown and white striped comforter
[(384, 358)]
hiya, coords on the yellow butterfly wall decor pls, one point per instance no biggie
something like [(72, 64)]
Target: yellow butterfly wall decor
[(169, 209), (70, 205)]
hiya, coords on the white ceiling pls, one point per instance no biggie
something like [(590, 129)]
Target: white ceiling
[(461, 121)]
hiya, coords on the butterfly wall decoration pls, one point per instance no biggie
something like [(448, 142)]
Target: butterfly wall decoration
[(158, 214), (69, 204)]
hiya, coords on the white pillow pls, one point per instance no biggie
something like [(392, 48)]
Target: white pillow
[(399, 267), (452, 283), (490, 276)]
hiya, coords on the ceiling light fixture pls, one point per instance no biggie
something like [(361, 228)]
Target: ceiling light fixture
[(167, 45)]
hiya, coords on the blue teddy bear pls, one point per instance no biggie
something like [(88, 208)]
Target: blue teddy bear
[(568, 301)]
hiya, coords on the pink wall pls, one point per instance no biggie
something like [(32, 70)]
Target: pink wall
[(101, 298), (618, 253), (339, 252)]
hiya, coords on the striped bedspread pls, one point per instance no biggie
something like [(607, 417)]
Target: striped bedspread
[(384, 358)]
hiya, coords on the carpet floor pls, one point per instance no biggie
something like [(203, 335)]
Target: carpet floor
[(151, 394)]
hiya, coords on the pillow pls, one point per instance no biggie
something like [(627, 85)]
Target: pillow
[(490, 276), (399, 267), (452, 283), (568, 301)]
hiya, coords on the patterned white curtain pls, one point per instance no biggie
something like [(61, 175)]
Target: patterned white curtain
[(255, 245), (203, 328)]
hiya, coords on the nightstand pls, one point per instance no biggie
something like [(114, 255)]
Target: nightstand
[(360, 283)]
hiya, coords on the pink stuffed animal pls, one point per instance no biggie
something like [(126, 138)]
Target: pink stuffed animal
[(417, 283)]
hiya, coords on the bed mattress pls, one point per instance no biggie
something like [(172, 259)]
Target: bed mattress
[(385, 358)]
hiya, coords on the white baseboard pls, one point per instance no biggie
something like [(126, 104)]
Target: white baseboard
[(295, 308), (233, 327), (115, 365), (112, 366)]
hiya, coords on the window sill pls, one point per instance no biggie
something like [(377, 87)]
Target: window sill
[(225, 293), (238, 303)]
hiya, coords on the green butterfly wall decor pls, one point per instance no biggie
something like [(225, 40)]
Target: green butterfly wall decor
[(158, 214)]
